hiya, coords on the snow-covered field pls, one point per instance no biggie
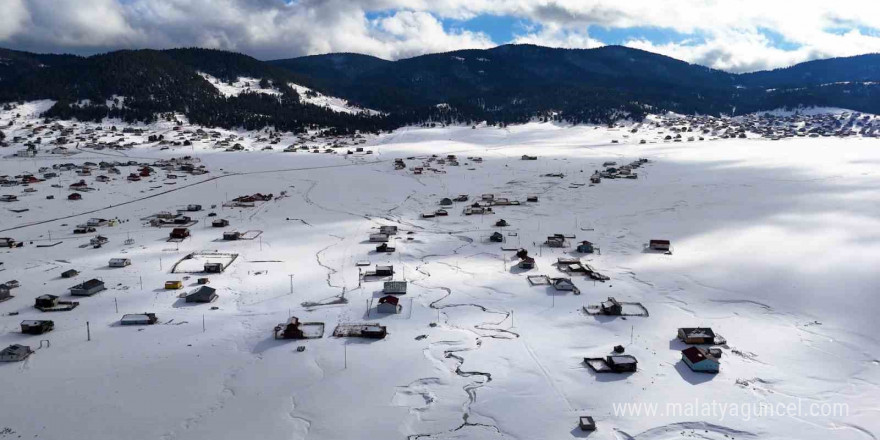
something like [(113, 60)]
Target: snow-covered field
[(776, 247)]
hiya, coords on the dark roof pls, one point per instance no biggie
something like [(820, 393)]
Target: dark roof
[(389, 300), (694, 354), (92, 283)]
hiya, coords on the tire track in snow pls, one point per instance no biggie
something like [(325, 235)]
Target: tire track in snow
[(489, 330)]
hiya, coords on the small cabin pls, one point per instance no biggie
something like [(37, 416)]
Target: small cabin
[(696, 335), (502, 223), (378, 238), (611, 307), (87, 288), (384, 271), (388, 304), (46, 301), (394, 288), (203, 294), (75, 196), (373, 331), (173, 285), (700, 360), (659, 245), (220, 223), (446, 201), (556, 241), (622, 363), (193, 208), (496, 237), (213, 267), (179, 233), (527, 263), (231, 235), (563, 284), (585, 247), (36, 327), (119, 262), (383, 247), (139, 319), (70, 273), (388, 230), (15, 353), (586, 423)]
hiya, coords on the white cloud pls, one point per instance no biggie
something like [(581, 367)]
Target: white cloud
[(731, 33), (555, 36)]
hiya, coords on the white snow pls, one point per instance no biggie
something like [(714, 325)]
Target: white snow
[(336, 104), (775, 248), (242, 84)]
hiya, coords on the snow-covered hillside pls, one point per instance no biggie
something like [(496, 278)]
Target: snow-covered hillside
[(774, 247), (307, 95)]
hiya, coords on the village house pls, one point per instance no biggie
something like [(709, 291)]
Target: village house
[(139, 319), (696, 335), (502, 223), (622, 363), (87, 288), (98, 240), (700, 360), (220, 223), (75, 196), (585, 247), (4, 293), (384, 271), (586, 423), (231, 235), (203, 294), (385, 248), (15, 353), (388, 230), (446, 201), (611, 307), (213, 267), (659, 245), (527, 263), (394, 287), (179, 233), (294, 329), (119, 262), (8, 198), (496, 237), (388, 304), (378, 238), (556, 241), (36, 327), (563, 284)]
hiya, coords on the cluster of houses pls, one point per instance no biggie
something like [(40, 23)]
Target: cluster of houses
[(691, 128)]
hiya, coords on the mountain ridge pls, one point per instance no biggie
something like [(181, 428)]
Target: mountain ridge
[(500, 85)]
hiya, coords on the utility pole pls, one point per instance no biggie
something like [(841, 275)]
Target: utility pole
[(88, 332), (345, 355), (291, 283), (203, 323), (116, 303)]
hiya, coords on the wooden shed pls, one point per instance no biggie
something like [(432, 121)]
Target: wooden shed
[(36, 327)]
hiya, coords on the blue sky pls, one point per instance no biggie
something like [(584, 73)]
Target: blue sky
[(732, 35)]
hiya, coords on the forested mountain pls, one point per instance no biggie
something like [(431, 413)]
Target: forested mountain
[(513, 80), (137, 85), (506, 84)]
